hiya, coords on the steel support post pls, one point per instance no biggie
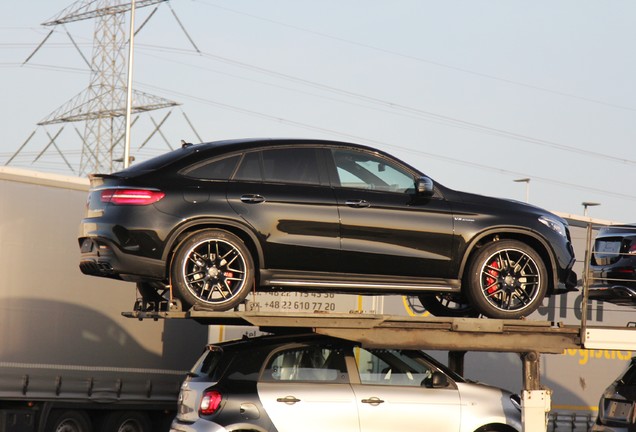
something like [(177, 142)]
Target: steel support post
[(535, 401), (456, 361)]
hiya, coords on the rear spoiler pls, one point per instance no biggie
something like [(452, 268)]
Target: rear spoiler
[(99, 179)]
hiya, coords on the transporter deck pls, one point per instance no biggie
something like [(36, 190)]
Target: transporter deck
[(440, 333)]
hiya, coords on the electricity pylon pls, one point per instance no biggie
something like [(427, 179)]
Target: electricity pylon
[(102, 106)]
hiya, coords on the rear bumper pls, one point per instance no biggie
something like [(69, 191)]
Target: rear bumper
[(618, 295), (199, 426), (617, 275), (101, 257)]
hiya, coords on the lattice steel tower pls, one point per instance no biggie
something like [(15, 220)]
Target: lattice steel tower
[(103, 104)]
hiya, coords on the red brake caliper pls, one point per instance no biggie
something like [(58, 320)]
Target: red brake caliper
[(228, 274), (494, 273)]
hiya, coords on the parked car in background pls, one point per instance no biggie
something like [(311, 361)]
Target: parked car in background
[(213, 221), (613, 265), (317, 383), (616, 408)]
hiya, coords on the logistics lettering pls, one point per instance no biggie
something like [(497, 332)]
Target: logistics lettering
[(586, 355)]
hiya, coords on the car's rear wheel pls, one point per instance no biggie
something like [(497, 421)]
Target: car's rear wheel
[(507, 279), (450, 305), (212, 268)]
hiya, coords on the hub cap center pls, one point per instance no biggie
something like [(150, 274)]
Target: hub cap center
[(213, 272)]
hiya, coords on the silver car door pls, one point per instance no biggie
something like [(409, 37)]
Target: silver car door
[(307, 388), (397, 394)]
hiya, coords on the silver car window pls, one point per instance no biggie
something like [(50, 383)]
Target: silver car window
[(391, 367), (316, 363)]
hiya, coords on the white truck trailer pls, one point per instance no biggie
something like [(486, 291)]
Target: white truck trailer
[(69, 361)]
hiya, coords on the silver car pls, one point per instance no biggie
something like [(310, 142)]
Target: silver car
[(316, 383)]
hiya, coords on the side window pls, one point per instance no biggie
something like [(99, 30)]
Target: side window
[(318, 363), (361, 170), (250, 168), (217, 169), (392, 367), (209, 362), (291, 165)]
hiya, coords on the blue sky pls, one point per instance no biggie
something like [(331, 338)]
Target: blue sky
[(474, 93)]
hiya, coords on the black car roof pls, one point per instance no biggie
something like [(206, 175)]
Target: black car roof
[(250, 143), (229, 146), (250, 343)]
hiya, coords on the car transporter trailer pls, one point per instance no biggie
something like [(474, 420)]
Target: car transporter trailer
[(528, 338)]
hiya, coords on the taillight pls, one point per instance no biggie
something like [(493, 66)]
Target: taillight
[(210, 402), (625, 270), (632, 249), (131, 196)]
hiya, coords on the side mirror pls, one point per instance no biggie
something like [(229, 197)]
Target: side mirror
[(425, 186), (436, 380)]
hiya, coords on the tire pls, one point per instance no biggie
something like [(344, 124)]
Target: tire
[(212, 268), (507, 279), (68, 421), (448, 305), (126, 421)]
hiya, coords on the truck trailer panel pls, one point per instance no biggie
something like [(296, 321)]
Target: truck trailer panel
[(65, 347)]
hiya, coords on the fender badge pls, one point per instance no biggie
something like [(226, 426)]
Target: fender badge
[(461, 219)]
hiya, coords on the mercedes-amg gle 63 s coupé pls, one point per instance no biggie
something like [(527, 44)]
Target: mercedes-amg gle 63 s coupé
[(208, 223)]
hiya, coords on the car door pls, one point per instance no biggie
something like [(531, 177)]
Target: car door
[(396, 393), (284, 194), (387, 228), (307, 388)]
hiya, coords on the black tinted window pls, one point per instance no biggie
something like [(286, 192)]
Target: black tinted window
[(208, 363), (630, 375), (293, 165), (250, 168), (218, 169)]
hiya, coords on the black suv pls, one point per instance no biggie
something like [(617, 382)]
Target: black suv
[(613, 265), (212, 221), (616, 408)]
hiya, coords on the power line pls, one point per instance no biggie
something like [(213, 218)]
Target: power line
[(379, 143), (422, 60), (404, 108)]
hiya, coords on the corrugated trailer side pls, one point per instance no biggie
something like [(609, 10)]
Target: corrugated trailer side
[(67, 356)]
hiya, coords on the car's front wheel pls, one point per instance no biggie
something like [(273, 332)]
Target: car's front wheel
[(507, 279), (212, 268)]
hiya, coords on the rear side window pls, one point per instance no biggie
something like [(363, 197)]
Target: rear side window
[(285, 165), (293, 165), (217, 169), (629, 377), (209, 363), (250, 168), (316, 363)]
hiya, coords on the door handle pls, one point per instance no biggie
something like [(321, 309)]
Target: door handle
[(252, 198), (373, 401), (358, 203), (289, 400)]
